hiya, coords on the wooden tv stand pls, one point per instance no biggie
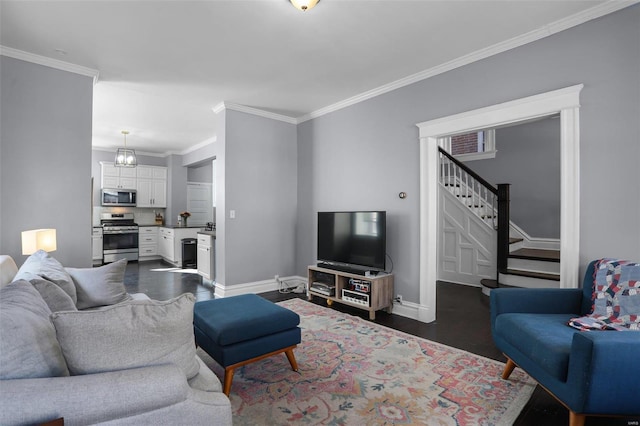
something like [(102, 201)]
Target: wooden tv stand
[(380, 295)]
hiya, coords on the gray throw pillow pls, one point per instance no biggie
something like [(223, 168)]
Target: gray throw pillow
[(29, 348), (101, 286), (129, 335), (54, 296), (42, 265)]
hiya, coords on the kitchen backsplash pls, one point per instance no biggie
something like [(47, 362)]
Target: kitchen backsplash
[(142, 216)]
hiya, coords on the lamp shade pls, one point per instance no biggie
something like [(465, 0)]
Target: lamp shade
[(38, 239)]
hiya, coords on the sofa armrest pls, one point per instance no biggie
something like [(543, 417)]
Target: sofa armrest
[(535, 300), (8, 269), (604, 364), (92, 398)]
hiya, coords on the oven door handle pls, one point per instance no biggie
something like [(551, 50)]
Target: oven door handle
[(119, 232)]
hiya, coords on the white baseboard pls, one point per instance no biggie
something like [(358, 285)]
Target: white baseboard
[(533, 242), (406, 309), (255, 287)]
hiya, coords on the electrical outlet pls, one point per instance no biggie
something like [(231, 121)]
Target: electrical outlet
[(398, 299)]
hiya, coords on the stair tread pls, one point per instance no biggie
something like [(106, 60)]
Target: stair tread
[(531, 274), (489, 283), (536, 254)]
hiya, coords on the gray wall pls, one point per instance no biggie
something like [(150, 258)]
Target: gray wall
[(201, 173), (45, 174), (360, 157), (529, 159), (176, 189), (260, 185)]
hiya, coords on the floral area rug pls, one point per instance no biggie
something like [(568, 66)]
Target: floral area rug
[(356, 372)]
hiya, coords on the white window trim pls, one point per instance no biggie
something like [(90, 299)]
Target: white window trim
[(476, 156)]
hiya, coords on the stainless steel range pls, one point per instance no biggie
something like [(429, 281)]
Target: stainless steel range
[(119, 237)]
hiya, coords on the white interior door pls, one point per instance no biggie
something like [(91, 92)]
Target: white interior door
[(200, 202)]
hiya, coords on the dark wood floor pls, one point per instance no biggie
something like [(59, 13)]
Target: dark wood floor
[(462, 321)]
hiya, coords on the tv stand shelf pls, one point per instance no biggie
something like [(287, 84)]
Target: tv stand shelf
[(380, 294)]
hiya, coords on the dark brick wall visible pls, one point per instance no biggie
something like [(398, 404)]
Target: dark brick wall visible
[(464, 144)]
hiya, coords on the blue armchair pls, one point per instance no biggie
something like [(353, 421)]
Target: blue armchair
[(590, 373)]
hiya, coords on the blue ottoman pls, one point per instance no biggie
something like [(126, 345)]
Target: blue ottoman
[(238, 330)]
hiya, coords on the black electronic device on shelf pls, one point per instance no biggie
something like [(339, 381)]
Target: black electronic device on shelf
[(352, 242), (323, 288)]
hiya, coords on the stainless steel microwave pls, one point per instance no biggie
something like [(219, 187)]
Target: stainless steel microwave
[(118, 197)]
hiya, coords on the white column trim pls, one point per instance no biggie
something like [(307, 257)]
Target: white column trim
[(564, 101), (428, 227), (570, 198)]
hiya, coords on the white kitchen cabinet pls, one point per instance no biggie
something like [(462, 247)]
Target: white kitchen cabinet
[(152, 186), (170, 243), (96, 240), (117, 177), (206, 256), (165, 244), (148, 241)]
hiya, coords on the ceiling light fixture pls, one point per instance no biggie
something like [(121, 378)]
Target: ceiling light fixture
[(125, 157), (304, 5)]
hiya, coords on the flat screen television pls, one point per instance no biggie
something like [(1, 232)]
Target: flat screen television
[(352, 241)]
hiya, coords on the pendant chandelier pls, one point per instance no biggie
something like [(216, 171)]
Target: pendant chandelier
[(304, 5), (125, 157)]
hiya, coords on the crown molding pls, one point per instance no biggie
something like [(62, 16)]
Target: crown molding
[(199, 145), (254, 111), (537, 34), (218, 108), (49, 62)]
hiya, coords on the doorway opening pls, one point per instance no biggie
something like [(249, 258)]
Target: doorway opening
[(565, 102)]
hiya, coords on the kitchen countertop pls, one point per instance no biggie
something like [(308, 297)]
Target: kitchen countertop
[(181, 227), (210, 233)]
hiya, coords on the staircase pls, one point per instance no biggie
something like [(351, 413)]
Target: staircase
[(483, 207), (528, 267), (524, 265)]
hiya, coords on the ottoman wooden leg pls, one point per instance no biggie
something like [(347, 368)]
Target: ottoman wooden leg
[(228, 371), (292, 358), (228, 378)]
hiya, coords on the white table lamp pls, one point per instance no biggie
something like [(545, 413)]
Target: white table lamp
[(38, 239)]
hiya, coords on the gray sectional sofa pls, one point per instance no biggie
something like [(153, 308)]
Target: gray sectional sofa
[(119, 359)]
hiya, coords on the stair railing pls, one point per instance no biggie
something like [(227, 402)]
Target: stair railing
[(488, 202)]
